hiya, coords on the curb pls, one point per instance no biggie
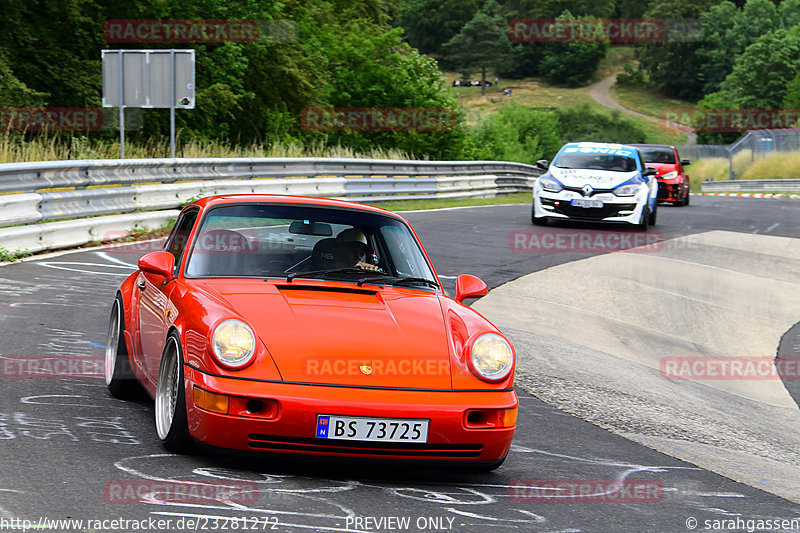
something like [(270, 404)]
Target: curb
[(749, 195)]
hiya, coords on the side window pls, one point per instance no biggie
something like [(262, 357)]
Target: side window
[(176, 243)]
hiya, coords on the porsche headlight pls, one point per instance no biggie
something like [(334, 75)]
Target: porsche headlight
[(233, 343), (549, 184), (491, 357), (669, 175), (627, 190)]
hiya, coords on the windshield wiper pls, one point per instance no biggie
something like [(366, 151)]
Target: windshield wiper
[(313, 273), (399, 280)]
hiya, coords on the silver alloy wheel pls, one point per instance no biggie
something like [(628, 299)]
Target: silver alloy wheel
[(167, 390), (112, 343)]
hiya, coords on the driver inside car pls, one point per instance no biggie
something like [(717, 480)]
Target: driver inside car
[(351, 250)]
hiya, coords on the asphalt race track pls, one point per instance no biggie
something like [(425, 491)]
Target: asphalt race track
[(71, 451)]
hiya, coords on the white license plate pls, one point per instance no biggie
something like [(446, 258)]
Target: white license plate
[(586, 202), (372, 429)]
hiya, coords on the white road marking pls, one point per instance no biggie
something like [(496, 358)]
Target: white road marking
[(107, 257), (58, 265)]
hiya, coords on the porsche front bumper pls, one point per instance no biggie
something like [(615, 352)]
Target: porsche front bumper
[(293, 429)]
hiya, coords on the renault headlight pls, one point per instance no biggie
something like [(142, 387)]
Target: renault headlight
[(550, 184), (491, 357), (233, 343), (627, 190)]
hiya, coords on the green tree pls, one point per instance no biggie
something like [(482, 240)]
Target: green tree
[(428, 24), (553, 8), (632, 9), (14, 93), (376, 69), (728, 31), (571, 63), (482, 43), (674, 67), (789, 12), (718, 52), (791, 99), (763, 71)]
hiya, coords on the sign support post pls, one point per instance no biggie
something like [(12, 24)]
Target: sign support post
[(172, 104), (148, 79), (121, 110)]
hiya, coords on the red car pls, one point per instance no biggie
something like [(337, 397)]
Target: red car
[(310, 326), (673, 181)]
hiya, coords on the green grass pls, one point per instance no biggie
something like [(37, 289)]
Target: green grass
[(612, 63), (533, 92), (775, 166), (649, 101), (52, 148), (414, 205), (9, 256)]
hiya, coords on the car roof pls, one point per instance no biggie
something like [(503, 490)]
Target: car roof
[(615, 146), (223, 199), (642, 145)]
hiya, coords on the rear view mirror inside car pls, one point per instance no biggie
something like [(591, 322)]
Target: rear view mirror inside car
[(306, 227)]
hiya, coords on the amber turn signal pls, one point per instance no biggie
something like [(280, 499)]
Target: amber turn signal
[(210, 401)]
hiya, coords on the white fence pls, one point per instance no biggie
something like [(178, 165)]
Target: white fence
[(147, 192)]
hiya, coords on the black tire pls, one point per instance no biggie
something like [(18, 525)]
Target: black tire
[(172, 427), (537, 221), (651, 218), (686, 200), (644, 218), (121, 381)]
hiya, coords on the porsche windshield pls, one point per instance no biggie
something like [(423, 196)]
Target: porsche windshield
[(288, 241), (595, 161)]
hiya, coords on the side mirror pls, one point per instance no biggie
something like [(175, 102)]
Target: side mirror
[(469, 287), (650, 171), (685, 162), (542, 164), (159, 263)]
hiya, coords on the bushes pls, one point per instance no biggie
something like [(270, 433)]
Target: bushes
[(584, 123), (525, 135), (632, 78), (517, 133)]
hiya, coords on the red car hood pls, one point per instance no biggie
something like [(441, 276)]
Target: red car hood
[(338, 334)]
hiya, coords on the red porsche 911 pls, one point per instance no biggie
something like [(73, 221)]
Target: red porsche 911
[(310, 326)]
